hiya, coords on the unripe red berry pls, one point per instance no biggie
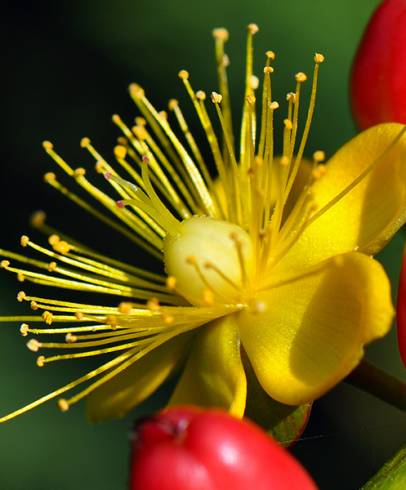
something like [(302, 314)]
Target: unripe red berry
[(378, 79), (401, 310), (191, 449)]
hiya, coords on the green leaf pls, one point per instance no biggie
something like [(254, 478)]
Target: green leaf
[(392, 476), (284, 423)]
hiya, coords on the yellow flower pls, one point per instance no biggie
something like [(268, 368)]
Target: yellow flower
[(267, 265)]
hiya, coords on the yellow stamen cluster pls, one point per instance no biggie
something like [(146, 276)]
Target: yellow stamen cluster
[(218, 236)]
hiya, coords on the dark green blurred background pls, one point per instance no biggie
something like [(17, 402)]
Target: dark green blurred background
[(67, 65)]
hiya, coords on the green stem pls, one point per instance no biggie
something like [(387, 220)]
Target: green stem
[(382, 385), (391, 476)]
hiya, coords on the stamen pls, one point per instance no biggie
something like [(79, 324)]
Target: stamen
[(50, 178), (318, 59), (210, 265), (356, 181), (252, 29), (238, 246)]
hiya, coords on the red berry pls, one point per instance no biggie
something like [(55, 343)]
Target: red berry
[(401, 311), (378, 80), (191, 449)]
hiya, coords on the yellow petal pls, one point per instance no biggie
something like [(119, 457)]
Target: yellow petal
[(368, 216), (214, 375), (126, 390), (312, 332)]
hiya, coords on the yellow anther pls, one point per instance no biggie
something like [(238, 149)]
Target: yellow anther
[(136, 91), (63, 405), (268, 69), (125, 308), (291, 97), (153, 304), (24, 240), (163, 115), (79, 315), (201, 95), (254, 82), (84, 142), (111, 320), (4, 264), (183, 74), (319, 156), (171, 283), (122, 140), (52, 266), (250, 99), (226, 60), (34, 305), (100, 167), (33, 345), (318, 58), (21, 296), (172, 104), (70, 338), (62, 247), (20, 277), (274, 105), (53, 240), (140, 132), (288, 124), (270, 55), (216, 98), (80, 172), (319, 171), (208, 297), (140, 121), (221, 34), (49, 177), (116, 119), (38, 219), (191, 260), (24, 329), (47, 145), (48, 317), (300, 77), (120, 152), (40, 361), (252, 28)]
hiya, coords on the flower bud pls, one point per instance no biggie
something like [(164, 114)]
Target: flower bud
[(401, 310), (378, 79), (191, 449)]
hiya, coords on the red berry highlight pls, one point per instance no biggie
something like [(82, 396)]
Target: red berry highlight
[(378, 79), (191, 449)]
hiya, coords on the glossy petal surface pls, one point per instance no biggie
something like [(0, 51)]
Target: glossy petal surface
[(369, 214), (214, 375), (312, 332)]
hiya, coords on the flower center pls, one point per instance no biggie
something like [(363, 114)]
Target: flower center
[(211, 261)]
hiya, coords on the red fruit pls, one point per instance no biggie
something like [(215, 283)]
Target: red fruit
[(378, 79), (401, 311), (190, 449)]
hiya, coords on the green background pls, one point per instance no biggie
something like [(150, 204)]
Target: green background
[(68, 65)]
